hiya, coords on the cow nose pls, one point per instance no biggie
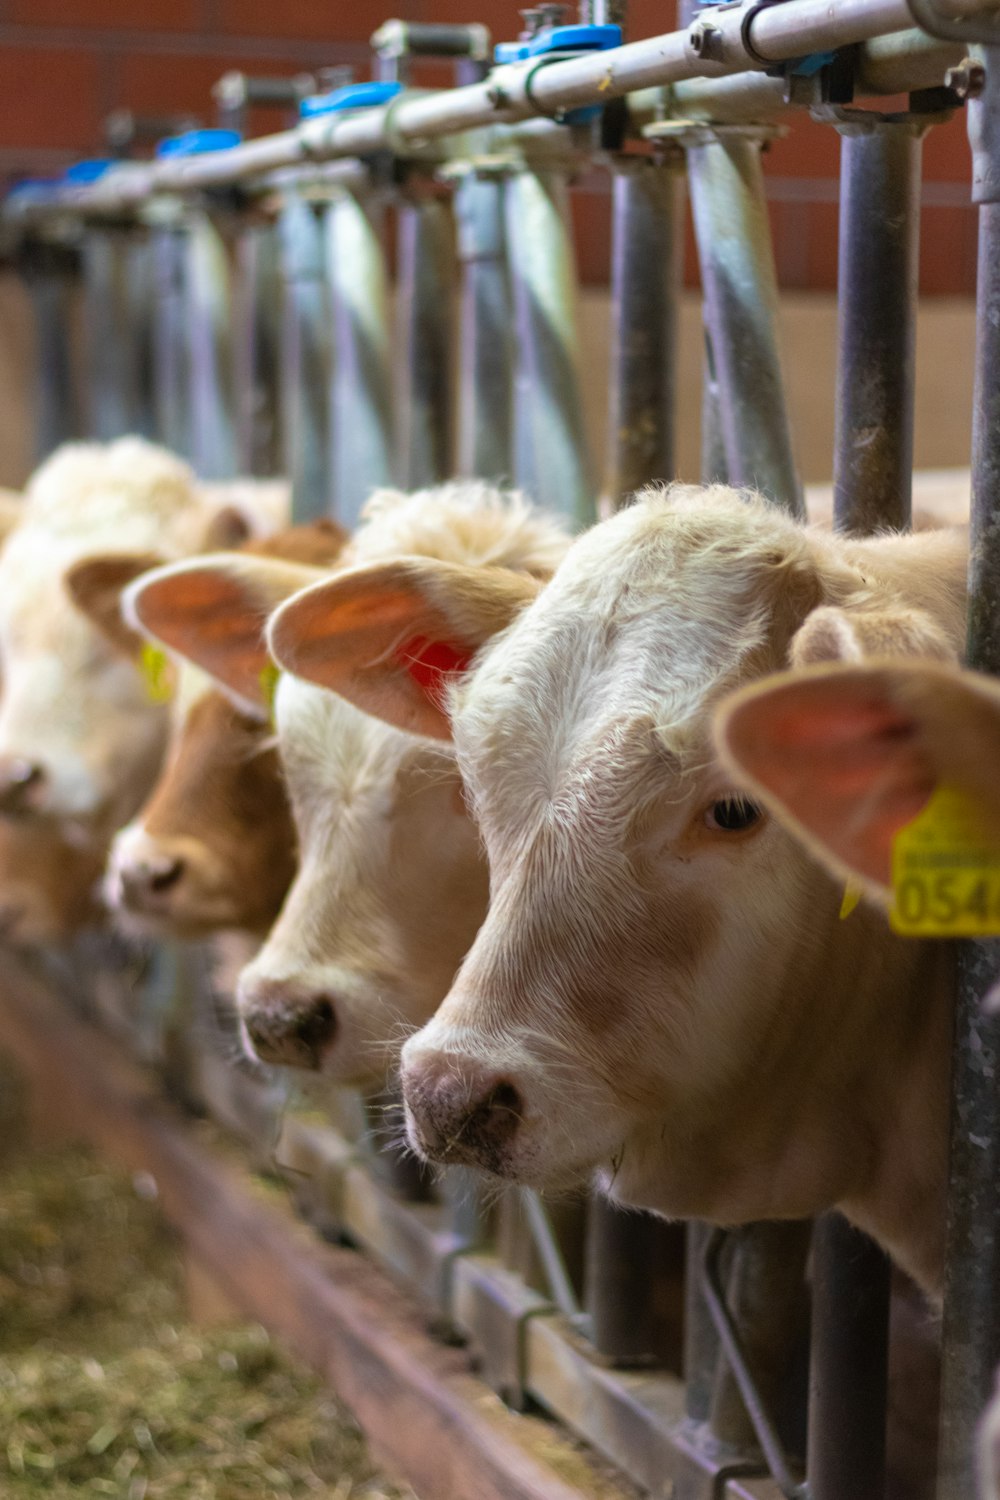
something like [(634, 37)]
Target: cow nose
[(21, 781), (461, 1111), (151, 874), (287, 1023)]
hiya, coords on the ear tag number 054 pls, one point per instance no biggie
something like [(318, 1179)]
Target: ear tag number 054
[(945, 874)]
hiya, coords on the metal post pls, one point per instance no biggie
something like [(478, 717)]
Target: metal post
[(550, 446), (424, 301), (632, 1266), (849, 1363), (646, 263), (50, 275), (971, 1349), (485, 349), (305, 357), (361, 384), (876, 305), (170, 403), (256, 339), (741, 305), (116, 325), (210, 367)]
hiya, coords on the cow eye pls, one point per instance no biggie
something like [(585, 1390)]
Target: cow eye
[(732, 814)]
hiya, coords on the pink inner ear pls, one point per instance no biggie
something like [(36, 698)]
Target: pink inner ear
[(432, 663)]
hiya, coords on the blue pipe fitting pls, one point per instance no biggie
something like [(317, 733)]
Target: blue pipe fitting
[(197, 142), (350, 96), (553, 43), (89, 170)]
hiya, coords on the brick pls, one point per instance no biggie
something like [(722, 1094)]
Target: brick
[(591, 217), (149, 15), (153, 83), (947, 157), (314, 20), (50, 98), (948, 251)]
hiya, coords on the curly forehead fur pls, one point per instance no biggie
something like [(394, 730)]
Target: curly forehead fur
[(109, 479), (465, 522)]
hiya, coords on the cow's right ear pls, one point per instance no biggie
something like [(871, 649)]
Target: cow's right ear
[(392, 637), (846, 756), (212, 610), (842, 633)]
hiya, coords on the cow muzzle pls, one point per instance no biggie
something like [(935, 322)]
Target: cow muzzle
[(460, 1111), (285, 1022)]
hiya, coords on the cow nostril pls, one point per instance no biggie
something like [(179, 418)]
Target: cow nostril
[(315, 1028), (163, 876), (502, 1106), (19, 778)]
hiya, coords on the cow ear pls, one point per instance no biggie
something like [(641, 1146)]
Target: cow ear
[(212, 611), (392, 637), (833, 633), (97, 586), (847, 756)]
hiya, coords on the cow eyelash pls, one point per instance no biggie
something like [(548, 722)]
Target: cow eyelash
[(732, 814)]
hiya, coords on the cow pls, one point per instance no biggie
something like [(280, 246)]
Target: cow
[(214, 847), (392, 883), (80, 739), (662, 992)]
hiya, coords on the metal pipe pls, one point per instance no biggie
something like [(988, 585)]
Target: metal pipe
[(741, 314), (210, 355), (712, 47), (170, 382), (647, 246), (550, 444), (360, 409), (849, 1363), (485, 355), (425, 288), (305, 357), (971, 1344), (50, 276), (256, 341), (631, 1265), (114, 372), (876, 309)]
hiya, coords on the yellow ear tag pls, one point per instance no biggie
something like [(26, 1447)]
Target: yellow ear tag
[(156, 672), (268, 680), (852, 895), (945, 873)]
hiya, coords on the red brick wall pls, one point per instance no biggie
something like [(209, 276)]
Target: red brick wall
[(64, 64)]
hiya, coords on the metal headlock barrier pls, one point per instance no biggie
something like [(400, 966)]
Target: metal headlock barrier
[(239, 304)]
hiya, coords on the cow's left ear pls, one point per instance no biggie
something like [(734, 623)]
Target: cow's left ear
[(96, 586), (847, 756), (835, 633), (392, 637)]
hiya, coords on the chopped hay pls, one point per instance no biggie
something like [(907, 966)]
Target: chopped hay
[(106, 1389)]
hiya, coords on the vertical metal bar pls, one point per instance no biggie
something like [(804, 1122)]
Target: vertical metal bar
[(256, 338), (485, 358), (170, 403), (138, 333), (550, 445), (210, 367), (849, 1363), (632, 1265), (876, 310), (107, 306), (647, 245), (425, 282), (741, 306), (305, 357), (50, 278), (971, 1348), (361, 384)]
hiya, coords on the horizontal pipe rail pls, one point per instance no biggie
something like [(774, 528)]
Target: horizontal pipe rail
[(740, 40)]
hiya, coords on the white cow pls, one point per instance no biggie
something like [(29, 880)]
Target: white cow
[(80, 738), (392, 882), (663, 990)]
